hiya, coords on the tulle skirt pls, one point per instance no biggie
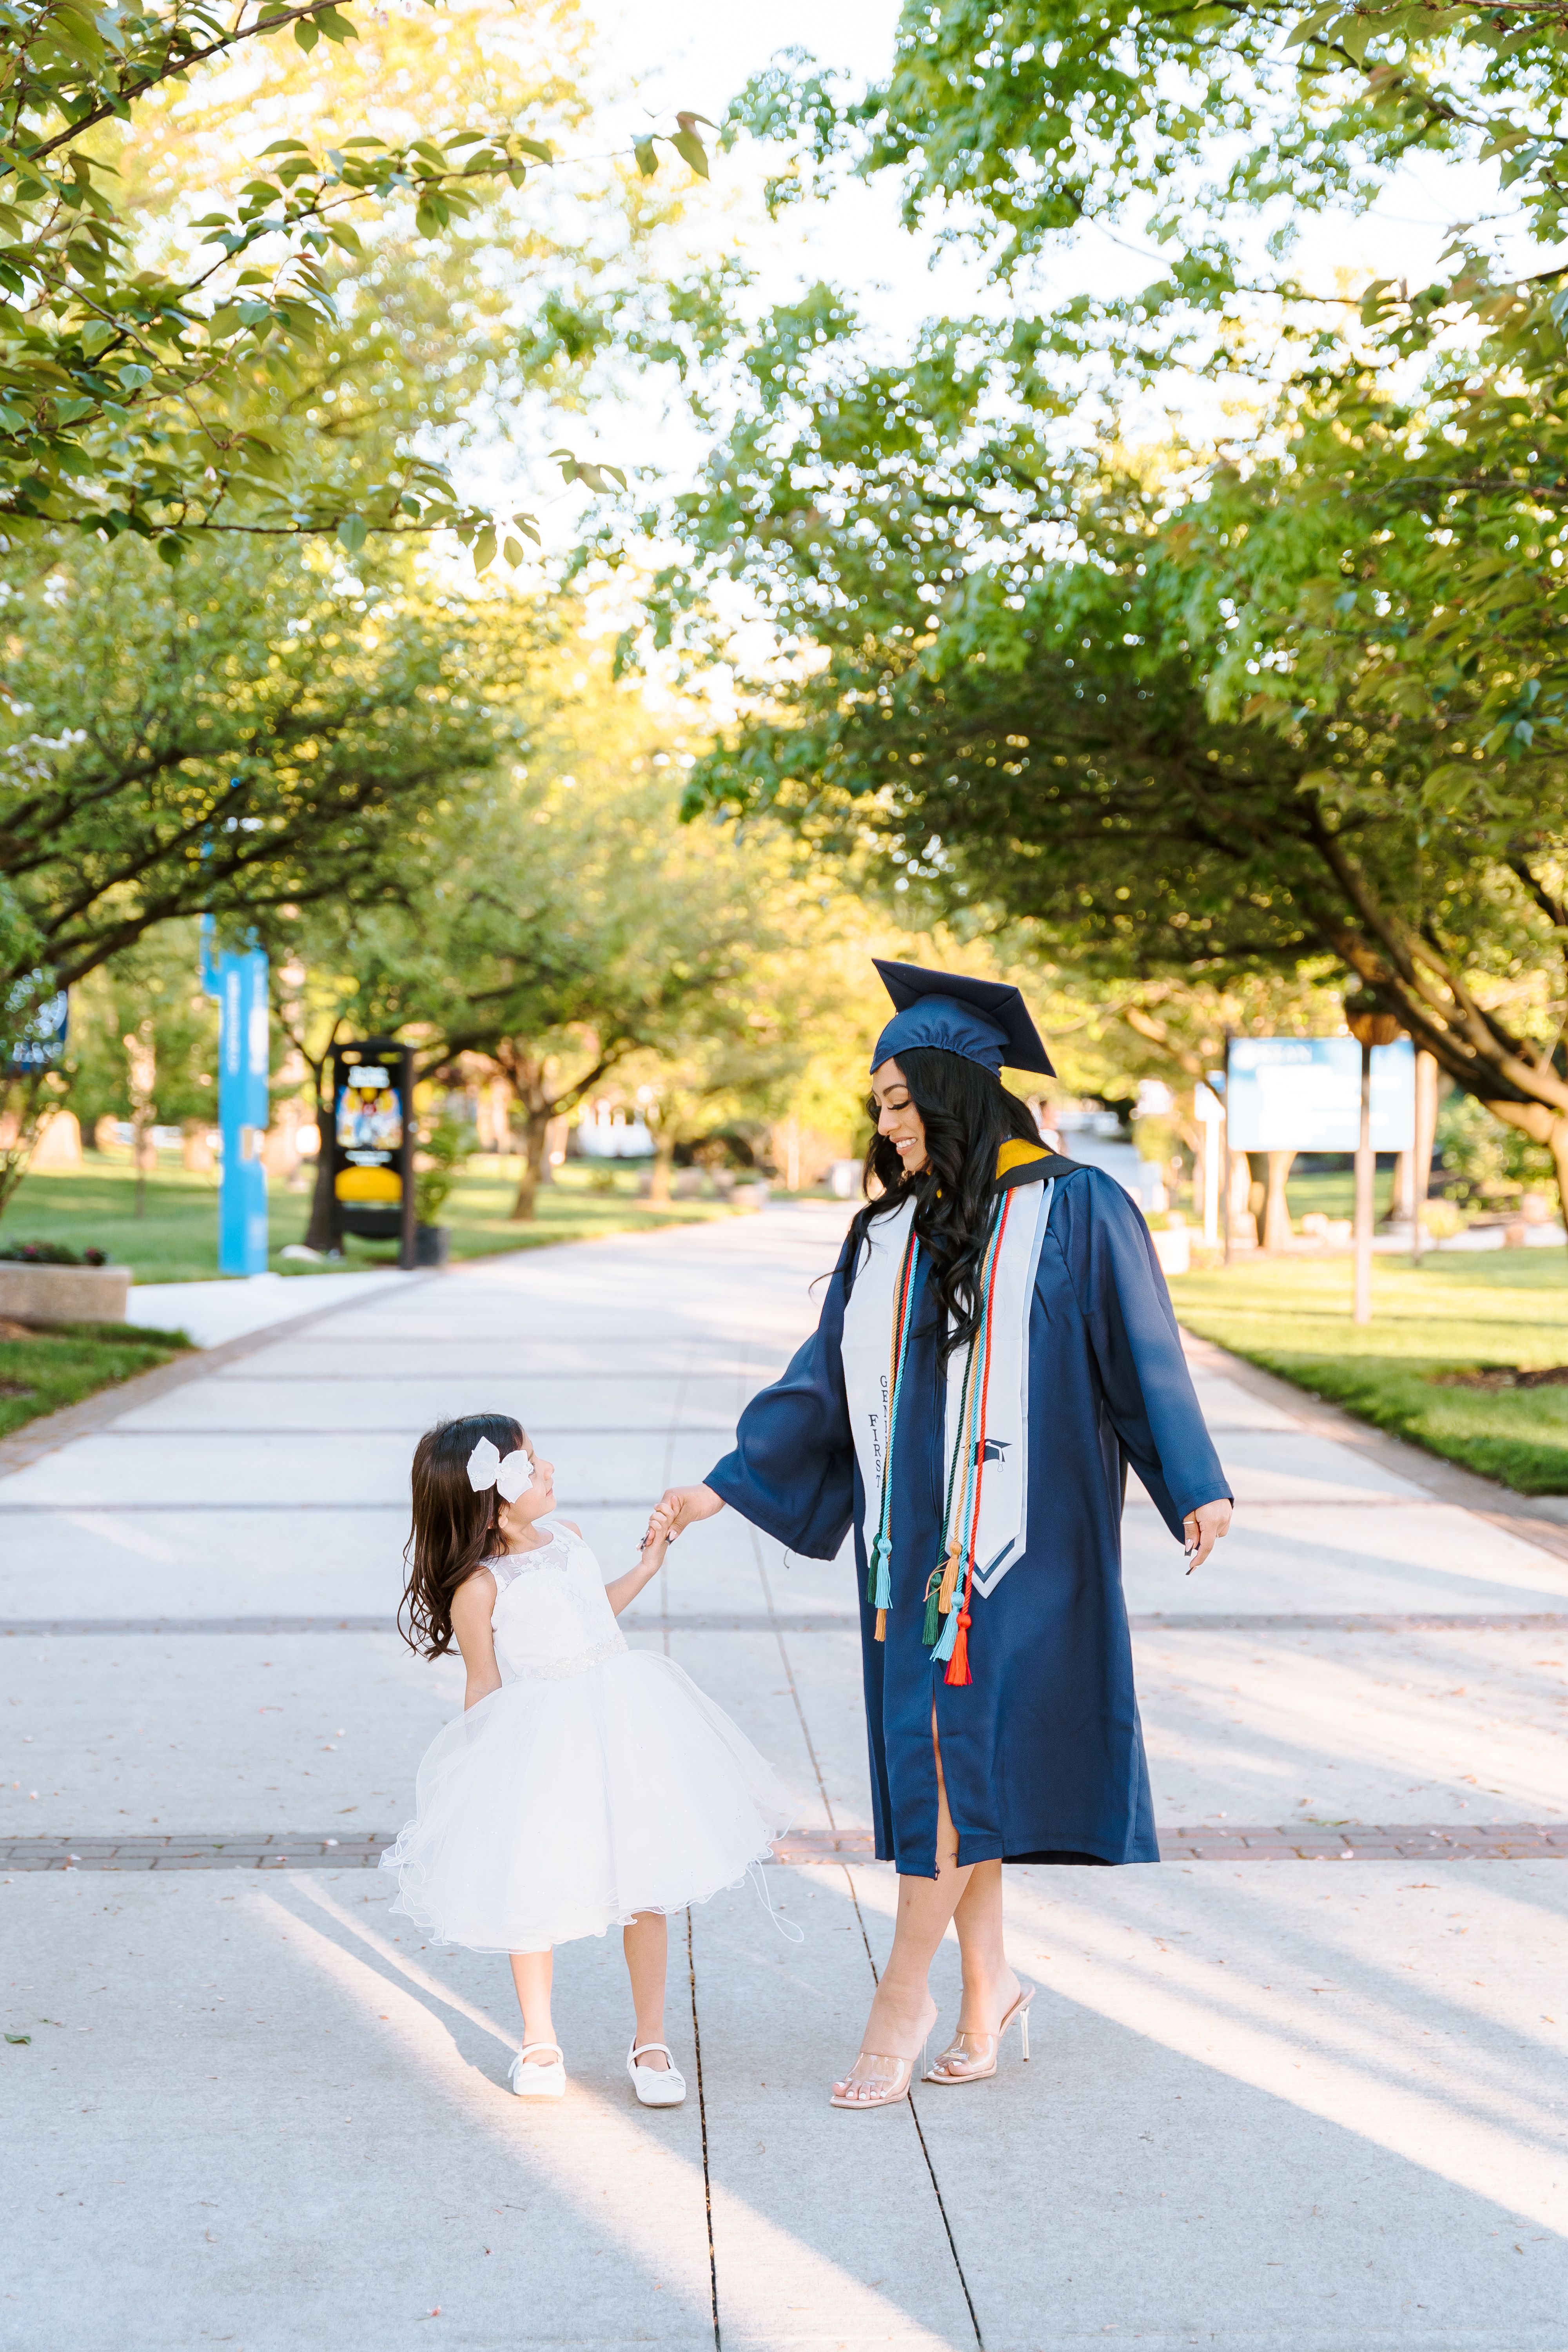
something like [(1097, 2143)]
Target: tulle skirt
[(553, 1809)]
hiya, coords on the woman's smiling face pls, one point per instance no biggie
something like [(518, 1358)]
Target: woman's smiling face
[(897, 1120)]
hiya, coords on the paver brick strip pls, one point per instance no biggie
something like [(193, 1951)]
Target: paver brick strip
[(251, 1503), (1352, 1842), (760, 1620)]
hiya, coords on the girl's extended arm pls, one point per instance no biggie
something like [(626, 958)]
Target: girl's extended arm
[(472, 1606), (625, 1588)]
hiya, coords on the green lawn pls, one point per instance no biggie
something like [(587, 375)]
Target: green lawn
[(176, 1240), (51, 1368), (1456, 1314), (1334, 1194)]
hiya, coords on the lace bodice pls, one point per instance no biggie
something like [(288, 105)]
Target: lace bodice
[(550, 1617)]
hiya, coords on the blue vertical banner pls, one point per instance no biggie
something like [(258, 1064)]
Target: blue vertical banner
[(244, 1104)]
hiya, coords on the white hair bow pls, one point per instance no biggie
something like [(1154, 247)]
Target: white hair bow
[(510, 1478)]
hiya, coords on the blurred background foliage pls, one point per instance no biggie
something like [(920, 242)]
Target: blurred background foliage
[(1185, 654)]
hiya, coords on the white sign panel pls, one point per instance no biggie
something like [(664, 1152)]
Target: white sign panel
[(1303, 1094)]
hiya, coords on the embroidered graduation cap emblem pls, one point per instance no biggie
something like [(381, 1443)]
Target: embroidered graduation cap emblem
[(990, 1449), (986, 1021)]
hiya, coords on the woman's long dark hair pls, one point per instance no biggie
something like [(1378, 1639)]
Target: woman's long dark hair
[(968, 1115), (454, 1529)]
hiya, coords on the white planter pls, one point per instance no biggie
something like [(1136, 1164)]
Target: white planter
[(63, 1294), (1174, 1248)]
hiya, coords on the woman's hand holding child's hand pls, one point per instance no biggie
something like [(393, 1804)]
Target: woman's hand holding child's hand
[(624, 1590), (681, 1507), (675, 1509)]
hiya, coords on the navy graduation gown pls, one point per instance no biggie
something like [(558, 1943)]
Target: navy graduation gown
[(1042, 1752)]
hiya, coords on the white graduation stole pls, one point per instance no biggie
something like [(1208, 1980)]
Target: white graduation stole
[(1002, 1529)]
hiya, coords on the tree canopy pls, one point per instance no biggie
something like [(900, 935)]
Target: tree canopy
[(255, 730), (151, 379)]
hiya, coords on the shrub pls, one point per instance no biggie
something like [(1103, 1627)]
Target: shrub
[(49, 1254), (446, 1143)]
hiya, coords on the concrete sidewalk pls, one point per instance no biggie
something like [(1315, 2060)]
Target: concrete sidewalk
[(1308, 2105)]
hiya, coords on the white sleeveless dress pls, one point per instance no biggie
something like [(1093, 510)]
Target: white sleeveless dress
[(597, 1782)]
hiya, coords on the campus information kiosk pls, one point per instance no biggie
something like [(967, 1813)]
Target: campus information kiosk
[(372, 1144)]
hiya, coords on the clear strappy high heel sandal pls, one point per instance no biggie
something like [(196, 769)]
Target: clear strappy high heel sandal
[(971, 2057), (890, 2076)]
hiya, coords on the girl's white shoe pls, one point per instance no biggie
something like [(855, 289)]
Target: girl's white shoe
[(530, 2082), (656, 2090)]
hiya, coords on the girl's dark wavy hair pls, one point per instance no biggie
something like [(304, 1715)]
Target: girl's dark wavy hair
[(454, 1529), (968, 1115)]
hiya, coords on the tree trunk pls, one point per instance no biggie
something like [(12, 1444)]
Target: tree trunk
[(1426, 1136), (1542, 1126), (1277, 1212), (23, 1104), (1243, 1223), (535, 1158), (319, 1232), (663, 1161), (1557, 1144)]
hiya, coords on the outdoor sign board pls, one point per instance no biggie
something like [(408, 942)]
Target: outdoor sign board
[(371, 1141), (43, 1025), (1303, 1094)]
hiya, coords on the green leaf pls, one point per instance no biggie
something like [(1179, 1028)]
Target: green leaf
[(134, 375), (648, 161), (485, 549), (688, 145), (1448, 787), (172, 549), (306, 35), (18, 2041), (352, 532)]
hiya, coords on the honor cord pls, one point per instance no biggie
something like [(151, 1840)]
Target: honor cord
[(879, 1568)]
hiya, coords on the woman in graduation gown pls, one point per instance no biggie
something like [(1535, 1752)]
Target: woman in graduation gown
[(996, 1346)]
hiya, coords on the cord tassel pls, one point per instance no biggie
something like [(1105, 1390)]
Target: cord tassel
[(880, 1560), (947, 1592), (958, 1665), (948, 1635), (932, 1627)]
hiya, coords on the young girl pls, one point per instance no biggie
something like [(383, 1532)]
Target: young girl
[(594, 1786)]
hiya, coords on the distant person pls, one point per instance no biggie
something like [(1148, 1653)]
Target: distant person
[(996, 1344), (594, 1787)]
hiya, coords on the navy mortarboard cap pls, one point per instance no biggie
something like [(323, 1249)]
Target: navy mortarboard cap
[(986, 1021)]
